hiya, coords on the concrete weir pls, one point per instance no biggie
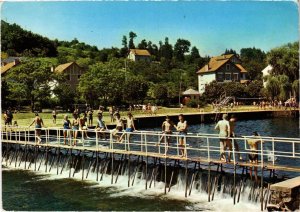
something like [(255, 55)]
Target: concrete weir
[(145, 156)]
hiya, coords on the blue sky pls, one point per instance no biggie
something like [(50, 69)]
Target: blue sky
[(210, 26)]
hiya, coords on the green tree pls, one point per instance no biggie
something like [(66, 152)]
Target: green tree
[(273, 87), (136, 89), (30, 80), (132, 36), (254, 61), (295, 88), (143, 44), (285, 60), (181, 47), (253, 89), (124, 49)]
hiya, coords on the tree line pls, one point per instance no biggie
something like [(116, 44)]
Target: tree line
[(112, 79)]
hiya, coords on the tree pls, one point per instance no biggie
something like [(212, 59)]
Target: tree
[(253, 89), (254, 61), (103, 82), (285, 60), (273, 87), (30, 80), (143, 44), (166, 49), (132, 36), (181, 47), (136, 89), (295, 88), (194, 54), (285, 87), (124, 49), (64, 94)]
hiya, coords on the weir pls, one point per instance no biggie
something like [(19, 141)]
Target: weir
[(141, 158)]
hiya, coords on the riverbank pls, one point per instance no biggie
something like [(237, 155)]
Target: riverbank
[(193, 116)]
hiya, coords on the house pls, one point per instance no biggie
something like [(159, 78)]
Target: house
[(7, 64), (224, 68), (72, 71), (139, 55), (189, 95), (266, 72)]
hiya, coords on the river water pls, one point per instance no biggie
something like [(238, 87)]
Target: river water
[(24, 190)]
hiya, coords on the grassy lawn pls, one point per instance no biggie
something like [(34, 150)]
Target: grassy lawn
[(25, 119)]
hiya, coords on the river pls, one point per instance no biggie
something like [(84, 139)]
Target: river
[(24, 190)]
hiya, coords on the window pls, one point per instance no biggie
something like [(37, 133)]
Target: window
[(69, 77), (227, 67), (79, 76), (235, 77), (220, 77), (228, 76)]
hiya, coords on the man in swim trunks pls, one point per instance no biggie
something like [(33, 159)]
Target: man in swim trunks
[(130, 127), (224, 131), (253, 156), (38, 121), (232, 122), (167, 129)]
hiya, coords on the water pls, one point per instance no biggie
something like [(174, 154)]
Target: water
[(27, 190)]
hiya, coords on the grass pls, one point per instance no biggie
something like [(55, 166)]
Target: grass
[(25, 119)]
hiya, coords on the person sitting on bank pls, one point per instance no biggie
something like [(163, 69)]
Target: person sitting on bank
[(253, 156), (232, 122), (224, 131), (130, 127), (167, 130), (38, 121), (182, 129), (100, 127)]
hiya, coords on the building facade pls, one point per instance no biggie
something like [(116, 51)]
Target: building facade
[(225, 68), (72, 71), (139, 55)]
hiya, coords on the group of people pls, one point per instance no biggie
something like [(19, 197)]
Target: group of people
[(226, 129)]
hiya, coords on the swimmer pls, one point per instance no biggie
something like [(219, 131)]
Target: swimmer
[(224, 131), (38, 121)]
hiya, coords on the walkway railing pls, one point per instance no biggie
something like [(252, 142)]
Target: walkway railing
[(276, 151)]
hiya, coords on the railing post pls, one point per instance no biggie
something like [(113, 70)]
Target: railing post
[(208, 152), (233, 149), (273, 151), (293, 149)]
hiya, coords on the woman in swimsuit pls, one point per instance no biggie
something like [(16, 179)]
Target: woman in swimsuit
[(38, 121), (67, 127), (75, 127), (182, 129)]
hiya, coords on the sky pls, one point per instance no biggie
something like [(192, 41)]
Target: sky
[(211, 26)]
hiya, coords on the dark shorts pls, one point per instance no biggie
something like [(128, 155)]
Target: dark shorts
[(253, 157), (129, 129), (54, 116), (182, 134)]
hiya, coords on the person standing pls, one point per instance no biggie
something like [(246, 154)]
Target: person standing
[(182, 129), (38, 121), (54, 113), (130, 127), (167, 130), (90, 115), (111, 113), (67, 127), (9, 116), (253, 156), (224, 131), (75, 127), (232, 122), (119, 126)]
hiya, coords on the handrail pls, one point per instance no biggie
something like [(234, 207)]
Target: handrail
[(196, 145)]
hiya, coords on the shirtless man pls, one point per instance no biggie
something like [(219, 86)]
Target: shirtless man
[(253, 156), (130, 127), (38, 121), (232, 121), (119, 126), (224, 131), (167, 130)]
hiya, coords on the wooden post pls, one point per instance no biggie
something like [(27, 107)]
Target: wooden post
[(128, 170), (97, 163), (82, 165), (208, 182), (186, 178)]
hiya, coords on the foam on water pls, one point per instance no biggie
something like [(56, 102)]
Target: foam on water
[(199, 199)]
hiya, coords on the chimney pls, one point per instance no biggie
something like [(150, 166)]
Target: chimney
[(52, 68)]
